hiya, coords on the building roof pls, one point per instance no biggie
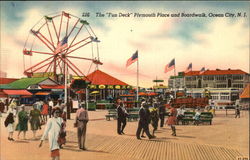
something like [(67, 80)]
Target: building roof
[(216, 72), (246, 92), (98, 77), (7, 80), (24, 83)]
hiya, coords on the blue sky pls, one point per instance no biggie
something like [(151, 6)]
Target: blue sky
[(202, 41)]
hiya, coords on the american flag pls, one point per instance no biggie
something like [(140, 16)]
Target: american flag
[(189, 68), (202, 70), (62, 44), (133, 59), (66, 14), (170, 66)]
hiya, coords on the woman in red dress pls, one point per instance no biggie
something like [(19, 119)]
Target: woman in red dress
[(45, 111), (172, 119)]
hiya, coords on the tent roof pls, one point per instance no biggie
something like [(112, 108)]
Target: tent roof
[(98, 77), (17, 92), (25, 82), (246, 92), (7, 80)]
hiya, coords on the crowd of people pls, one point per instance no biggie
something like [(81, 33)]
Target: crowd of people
[(151, 112)]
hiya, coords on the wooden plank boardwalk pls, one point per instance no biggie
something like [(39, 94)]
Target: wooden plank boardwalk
[(122, 147)]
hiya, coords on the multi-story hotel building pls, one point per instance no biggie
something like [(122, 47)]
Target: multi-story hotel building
[(223, 86), (216, 79)]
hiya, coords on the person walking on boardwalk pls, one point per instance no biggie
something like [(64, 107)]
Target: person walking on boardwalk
[(172, 119), (162, 111), (45, 111), (9, 121), (143, 122), (237, 111), (22, 125), (82, 119), (51, 105), (154, 118), (52, 130), (35, 120), (121, 117)]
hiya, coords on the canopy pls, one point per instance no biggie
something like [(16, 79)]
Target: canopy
[(17, 92), (246, 92), (42, 93)]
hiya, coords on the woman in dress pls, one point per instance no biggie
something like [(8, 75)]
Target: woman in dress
[(45, 111), (52, 130), (9, 122), (172, 119), (22, 122), (35, 117)]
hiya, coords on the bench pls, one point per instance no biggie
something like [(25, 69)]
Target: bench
[(206, 117), (133, 114), (188, 117), (112, 113)]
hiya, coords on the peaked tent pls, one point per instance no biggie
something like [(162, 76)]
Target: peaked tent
[(106, 84), (101, 78)]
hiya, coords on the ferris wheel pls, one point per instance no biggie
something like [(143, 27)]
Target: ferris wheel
[(58, 43)]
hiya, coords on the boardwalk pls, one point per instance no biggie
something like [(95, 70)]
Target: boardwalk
[(226, 139), (157, 149)]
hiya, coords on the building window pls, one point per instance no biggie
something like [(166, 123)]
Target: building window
[(237, 77), (210, 78), (221, 78), (237, 85), (221, 86), (215, 97), (205, 78), (224, 97), (205, 85)]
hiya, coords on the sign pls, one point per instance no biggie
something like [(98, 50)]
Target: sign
[(129, 87), (158, 80), (117, 87), (110, 87), (43, 74), (124, 87), (102, 86), (92, 86)]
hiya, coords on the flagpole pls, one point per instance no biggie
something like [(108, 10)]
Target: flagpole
[(174, 81), (65, 86), (137, 93)]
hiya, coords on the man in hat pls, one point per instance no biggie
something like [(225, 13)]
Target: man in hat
[(143, 122), (121, 119), (82, 119)]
